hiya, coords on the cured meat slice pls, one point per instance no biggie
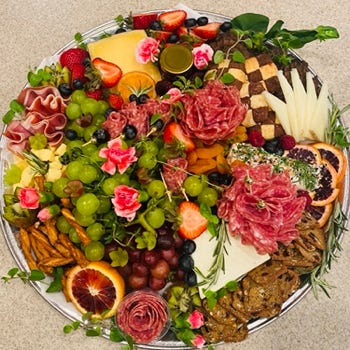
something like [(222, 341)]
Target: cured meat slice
[(143, 315), (174, 173)]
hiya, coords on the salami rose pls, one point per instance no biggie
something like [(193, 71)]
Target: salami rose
[(143, 315), (262, 207)]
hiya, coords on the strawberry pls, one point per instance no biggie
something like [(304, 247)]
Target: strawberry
[(96, 94), (115, 101), (172, 20), (73, 56), (78, 72), (143, 20), (192, 222), (173, 132), (110, 72), (160, 35), (208, 31)]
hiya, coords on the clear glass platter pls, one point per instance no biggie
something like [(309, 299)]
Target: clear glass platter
[(57, 300)]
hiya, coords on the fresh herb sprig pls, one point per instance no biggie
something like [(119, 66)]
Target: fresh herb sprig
[(25, 277)]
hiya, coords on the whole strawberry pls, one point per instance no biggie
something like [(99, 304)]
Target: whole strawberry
[(73, 56), (78, 73), (115, 101), (95, 94)]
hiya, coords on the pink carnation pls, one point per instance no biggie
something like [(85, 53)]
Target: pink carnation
[(202, 55), (173, 95), (48, 213), (29, 198), (147, 50), (117, 157), (196, 319), (126, 202), (198, 341)]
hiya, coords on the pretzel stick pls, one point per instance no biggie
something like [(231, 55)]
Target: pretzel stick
[(26, 248), (77, 254)]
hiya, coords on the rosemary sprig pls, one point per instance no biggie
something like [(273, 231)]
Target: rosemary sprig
[(336, 225), (36, 163)]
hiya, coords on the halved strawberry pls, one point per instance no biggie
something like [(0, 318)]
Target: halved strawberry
[(160, 35), (95, 94), (192, 222), (172, 20), (143, 20), (208, 31), (110, 72), (173, 132), (73, 56), (115, 101)]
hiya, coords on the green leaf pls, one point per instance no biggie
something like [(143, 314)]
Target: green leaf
[(231, 286), (155, 117), (56, 284), (95, 332), (116, 335), (16, 106), (36, 275), (326, 32), (8, 116), (219, 56), (238, 57), (12, 272), (227, 78), (274, 30), (250, 22), (119, 257), (146, 240)]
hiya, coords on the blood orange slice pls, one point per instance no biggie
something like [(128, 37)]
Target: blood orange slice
[(335, 156), (96, 288), (306, 153), (321, 214)]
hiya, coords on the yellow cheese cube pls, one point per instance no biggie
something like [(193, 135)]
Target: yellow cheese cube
[(120, 50), (44, 154)]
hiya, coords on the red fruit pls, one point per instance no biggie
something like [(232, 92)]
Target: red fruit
[(73, 56), (110, 72), (173, 132), (193, 223), (255, 138), (96, 94), (172, 20), (78, 72), (115, 101), (208, 31), (287, 142), (160, 35), (143, 20)]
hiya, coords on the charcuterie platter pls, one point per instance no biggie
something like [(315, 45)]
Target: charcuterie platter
[(175, 177)]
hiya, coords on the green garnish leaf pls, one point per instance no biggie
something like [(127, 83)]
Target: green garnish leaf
[(56, 284), (119, 257), (250, 22), (14, 108), (36, 275), (326, 32), (219, 56), (25, 277), (146, 240), (227, 78), (116, 335), (238, 57), (78, 37)]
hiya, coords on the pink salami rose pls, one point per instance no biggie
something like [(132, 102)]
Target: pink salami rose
[(147, 50), (126, 202), (196, 319), (29, 198), (202, 55), (198, 341), (117, 157)]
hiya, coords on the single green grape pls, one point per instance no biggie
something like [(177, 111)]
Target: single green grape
[(74, 170), (208, 196), (58, 187), (62, 224), (73, 235), (123, 179), (94, 157), (193, 186), (156, 189), (78, 96), (105, 205), (73, 111), (89, 106), (82, 219), (156, 217), (74, 144), (37, 141), (88, 131), (95, 231), (87, 204), (98, 119), (103, 106), (89, 149), (94, 251), (109, 185), (12, 175), (147, 161), (88, 174), (150, 147)]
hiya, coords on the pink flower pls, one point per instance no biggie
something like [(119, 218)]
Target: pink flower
[(117, 157), (48, 212), (126, 202), (173, 95), (198, 341), (147, 50), (196, 319), (29, 198), (202, 55)]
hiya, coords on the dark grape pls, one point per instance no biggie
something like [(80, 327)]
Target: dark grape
[(101, 136), (156, 283), (158, 124), (188, 246), (167, 254), (134, 255), (173, 38), (225, 26), (137, 282), (125, 270), (214, 177), (190, 278), (165, 242), (202, 21), (150, 257), (71, 134), (129, 132), (190, 22), (139, 269), (163, 86), (174, 261), (108, 111), (77, 84), (161, 269), (65, 90), (155, 25), (186, 263)]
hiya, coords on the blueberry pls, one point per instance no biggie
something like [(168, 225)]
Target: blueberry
[(186, 263), (65, 90), (77, 84), (226, 179), (191, 278), (133, 98), (101, 136), (158, 124), (271, 145), (142, 98), (173, 38), (108, 111), (155, 25), (214, 177), (71, 134), (188, 246), (225, 26), (202, 21), (190, 22), (129, 132)]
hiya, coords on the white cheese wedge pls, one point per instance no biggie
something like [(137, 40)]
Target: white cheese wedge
[(120, 50), (239, 259)]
